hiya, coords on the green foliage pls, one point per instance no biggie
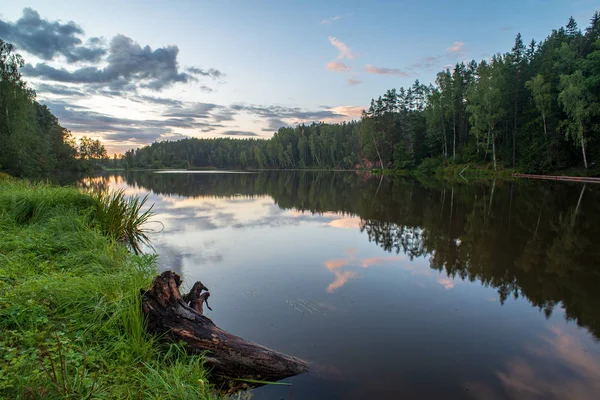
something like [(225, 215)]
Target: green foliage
[(5, 177), (185, 377), (32, 141), (306, 146), (69, 297), (121, 217), (429, 166), (91, 153)]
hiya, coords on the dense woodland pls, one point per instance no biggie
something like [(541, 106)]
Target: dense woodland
[(535, 108), (32, 141)]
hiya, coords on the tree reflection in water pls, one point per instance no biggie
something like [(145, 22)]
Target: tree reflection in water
[(524, 238)]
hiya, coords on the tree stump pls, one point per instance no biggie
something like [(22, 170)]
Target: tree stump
[(179, 318)]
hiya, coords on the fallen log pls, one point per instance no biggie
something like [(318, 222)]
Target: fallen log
[(180, 318)]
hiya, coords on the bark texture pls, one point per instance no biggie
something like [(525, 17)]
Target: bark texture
[(179, 318)]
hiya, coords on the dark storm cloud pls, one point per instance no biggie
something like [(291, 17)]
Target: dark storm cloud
[(239, 133), (48, 40)]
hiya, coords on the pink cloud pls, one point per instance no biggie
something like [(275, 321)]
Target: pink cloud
[(344, 50), (349, 111), (336, 263), (337, 67), (457, 47), (353, 82), (385, 71), (340, 280), (447, 283), (367, 262)]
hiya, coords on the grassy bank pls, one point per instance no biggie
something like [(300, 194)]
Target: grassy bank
[(70, 307)]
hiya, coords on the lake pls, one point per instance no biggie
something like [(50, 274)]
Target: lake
[(393, 288)]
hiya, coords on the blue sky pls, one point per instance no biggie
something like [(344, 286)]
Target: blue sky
[(272, 62)]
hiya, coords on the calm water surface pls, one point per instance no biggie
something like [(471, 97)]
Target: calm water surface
[(392, 288)]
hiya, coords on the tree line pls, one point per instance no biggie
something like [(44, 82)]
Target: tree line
[(32, 141), (535, 108)]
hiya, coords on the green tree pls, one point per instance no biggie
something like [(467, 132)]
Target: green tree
[(575, 100), (542, 96), (483, 106)]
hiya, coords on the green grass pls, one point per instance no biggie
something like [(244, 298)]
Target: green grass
[(70, 311), (122, 218)]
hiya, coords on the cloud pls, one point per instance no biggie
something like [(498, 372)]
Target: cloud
[(122, 67), (456, 48), (427, 62), (192, 110), (84, 120), (223, 114), (211, 72), (238, 133), (336, 263), (341, 278), (337, 67), (275, 113), (368, 262), (348, 111), (59, 90), (345, 223), (353, 81), (129, 66), (157, 100), (344, 51), (332, 19), (447, 283), (555, 366), (273, 124), (385, 71), (48, 40)]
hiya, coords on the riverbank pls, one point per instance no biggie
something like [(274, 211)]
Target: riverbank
[(70, 306)]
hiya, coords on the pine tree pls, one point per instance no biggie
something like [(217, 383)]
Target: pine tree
[(517, 58)]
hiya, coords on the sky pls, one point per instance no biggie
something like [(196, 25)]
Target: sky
[(131, 73)]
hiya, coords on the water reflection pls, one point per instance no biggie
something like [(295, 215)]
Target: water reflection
[(340, 267), (564, 369), (423, 266)]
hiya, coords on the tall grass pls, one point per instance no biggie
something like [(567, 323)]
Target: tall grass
[(122, 218), (69, 297)]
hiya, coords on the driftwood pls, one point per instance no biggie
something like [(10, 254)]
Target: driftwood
[(179, 318)]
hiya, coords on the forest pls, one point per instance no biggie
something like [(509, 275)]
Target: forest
[(535, 108), (32, 141)]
